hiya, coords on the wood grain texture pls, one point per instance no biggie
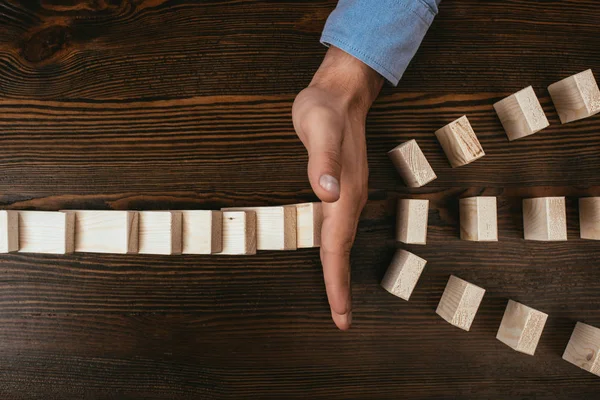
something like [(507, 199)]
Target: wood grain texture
[(160, 232), (545, 218), (9, 231), (202, 232), (46, 232), (275, 226), (239, 233), (583, 349), (521, 114), (309, 220), (576, 97), (403, 274), (179, 105), (589, 218), (460, 142), (479, 219), (460, 302), (411, 221), (521, 327), (106, 231), (411, 164)]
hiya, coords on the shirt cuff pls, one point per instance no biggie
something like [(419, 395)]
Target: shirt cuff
[(384, 34)]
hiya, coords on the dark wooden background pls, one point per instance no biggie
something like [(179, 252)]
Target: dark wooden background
[(179, 104)]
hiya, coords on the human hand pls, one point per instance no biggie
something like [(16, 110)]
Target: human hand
[(329, 117)]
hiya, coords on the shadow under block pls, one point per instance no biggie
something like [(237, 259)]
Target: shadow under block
[(576, 97), (411, 164), (478, 219), (545, 219), (521, 114), (521, 327), (309, 219), (589, 218), (460, 302), (403, 273), (9, 231), (50, 232), (202, 232), (160, 232), (239, 233), (275, 226), (460, 142), (105, 231), (583, 349), (411, 221)]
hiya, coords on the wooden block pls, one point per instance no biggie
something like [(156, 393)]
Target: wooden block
[(309, 218), (160, 232), (583, 349), (51, 232), (521, 327), (478, 219), (202, 232), (460, 302), (411, 164), (576, 97), (589, 218), (403, 273), (460, 142), (411, 221), (239, 232), (521, 114), (545, 219), (9, 231), (275, 227), (105, 231)]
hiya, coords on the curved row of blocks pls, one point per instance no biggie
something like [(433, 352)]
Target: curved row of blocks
[(230, 231), (544, 219), (521, 115), (521, 326)]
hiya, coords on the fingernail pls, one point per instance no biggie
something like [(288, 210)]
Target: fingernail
[(330, 184)]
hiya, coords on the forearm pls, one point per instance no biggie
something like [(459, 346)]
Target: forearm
[(383, 34)]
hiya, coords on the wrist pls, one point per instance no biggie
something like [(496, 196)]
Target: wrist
[(351, 80)]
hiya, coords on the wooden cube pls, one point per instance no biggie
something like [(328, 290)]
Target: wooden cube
[(545, 219), (9, 231), (160, 232), (202, 232), (51, 232), (576, 97), (521, 327), (460, 302), (275, 227), (309, 219), (583, 349), (411, 221), (460, 142), (521, 114), (239, 232), (411, 164), (403, 273), (589, 218), (105, 231), (478, 219)]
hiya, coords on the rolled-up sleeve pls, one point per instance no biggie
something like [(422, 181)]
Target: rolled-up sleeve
[(384, 34)]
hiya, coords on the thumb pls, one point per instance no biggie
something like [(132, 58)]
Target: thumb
[(324, 163)]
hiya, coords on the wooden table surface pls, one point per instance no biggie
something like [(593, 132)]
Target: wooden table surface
[(150, 104)]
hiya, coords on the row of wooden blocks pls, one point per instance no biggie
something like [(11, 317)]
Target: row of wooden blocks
[(521, 326), (229, 231), (544, 219), (521, 115)]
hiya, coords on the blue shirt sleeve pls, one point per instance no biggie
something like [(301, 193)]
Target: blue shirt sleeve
[(384, 34)]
